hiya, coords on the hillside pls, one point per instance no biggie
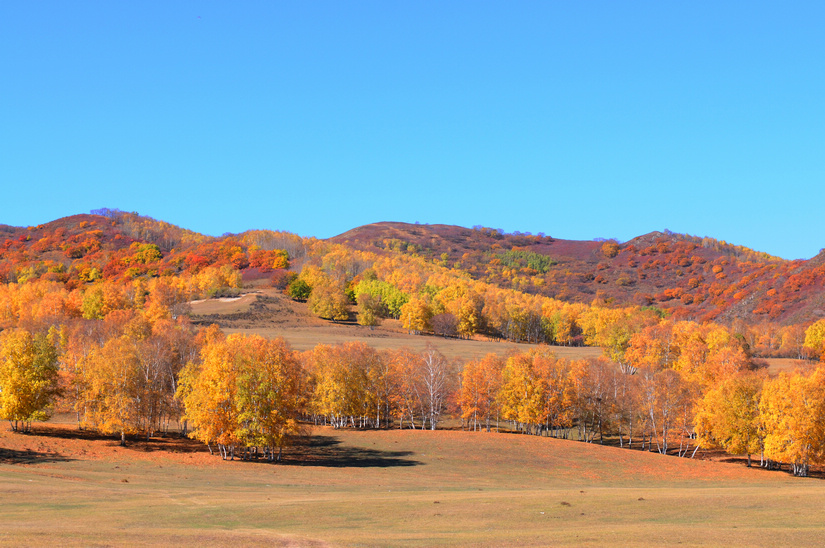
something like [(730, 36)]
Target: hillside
[(690, 277)]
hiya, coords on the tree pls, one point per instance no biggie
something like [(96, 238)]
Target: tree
[(208, 391), (113, 387), (792, 409), (559, 392), (444, 324), (339, 379), (416, 314), (28, 377), (522, 392), (390, 297), (352, 384), (665, 396), (438, 378), (613, 329), (815, 338), (610, 249), (591, 389), (407, 398), (270, 394), (328, 300), (705, 353), (298, 289), (369, 309), (480, 383), (163, 353), (728, 415), (245, 392)]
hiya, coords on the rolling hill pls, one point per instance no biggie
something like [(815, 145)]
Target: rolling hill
[(687, 276), (690, 277)]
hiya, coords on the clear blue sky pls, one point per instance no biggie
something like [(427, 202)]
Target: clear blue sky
[(577, 119)]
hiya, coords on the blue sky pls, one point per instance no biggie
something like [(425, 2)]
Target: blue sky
[(577, 119)]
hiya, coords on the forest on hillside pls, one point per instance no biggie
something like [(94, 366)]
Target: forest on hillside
[(94, 317)]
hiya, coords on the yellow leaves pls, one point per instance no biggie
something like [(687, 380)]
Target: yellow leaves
[(613, 328), (33, 304), (143, 254), (28, 376), (120, 373), (793, 414), (480, 382), (342, 376), (210, 279), (207, 391), (706, 353), (246, 391), (610, 249), (102, 298), (815, 338), (328, 300), (416, 314), (728, 415), (534, 387), (112, 378)]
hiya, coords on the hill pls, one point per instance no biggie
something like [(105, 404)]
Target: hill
[(690, 277)]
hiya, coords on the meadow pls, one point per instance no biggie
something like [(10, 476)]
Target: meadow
[(269, 313), (390, 487), (59, 485)]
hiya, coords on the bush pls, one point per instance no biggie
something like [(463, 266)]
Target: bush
[(299, 290)]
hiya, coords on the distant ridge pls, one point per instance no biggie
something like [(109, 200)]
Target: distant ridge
[(687, 276)]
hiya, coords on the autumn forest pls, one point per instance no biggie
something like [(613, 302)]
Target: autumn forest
[(97, 320)]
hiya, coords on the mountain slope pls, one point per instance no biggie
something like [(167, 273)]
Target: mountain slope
[(690, 277)]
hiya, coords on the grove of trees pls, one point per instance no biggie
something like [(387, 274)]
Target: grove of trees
[(93, 320)]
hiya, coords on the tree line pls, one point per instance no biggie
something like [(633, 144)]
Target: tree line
[(671, 386), (340, 283)]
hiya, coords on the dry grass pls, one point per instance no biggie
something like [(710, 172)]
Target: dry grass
[(268, 313), (305, 338), (377, 488), (229, 305), (778, 365)]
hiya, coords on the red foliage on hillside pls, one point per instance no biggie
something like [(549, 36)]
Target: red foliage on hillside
[(690, 277)]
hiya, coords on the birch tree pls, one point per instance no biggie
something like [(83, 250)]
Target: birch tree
[(28, 377)]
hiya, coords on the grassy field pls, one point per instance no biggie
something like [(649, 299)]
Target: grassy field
[(376, 488), (305, 338), (271, 314)]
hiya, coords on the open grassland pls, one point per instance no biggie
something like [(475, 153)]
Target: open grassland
[(376, 488), (306, 338), (788, 365), (270, 314)]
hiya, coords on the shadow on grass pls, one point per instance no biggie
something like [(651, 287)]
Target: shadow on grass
[(14, 456), (315, 450), (66, 433), (329, 451), (170, 443)]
